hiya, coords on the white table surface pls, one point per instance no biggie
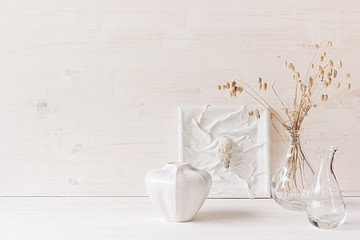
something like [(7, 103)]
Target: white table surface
[(134, 218)]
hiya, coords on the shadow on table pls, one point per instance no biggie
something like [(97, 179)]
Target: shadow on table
[(349, 226), (222, 215)]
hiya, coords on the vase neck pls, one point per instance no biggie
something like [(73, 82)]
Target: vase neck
[(177, 165), (294, 136), (328, 155)]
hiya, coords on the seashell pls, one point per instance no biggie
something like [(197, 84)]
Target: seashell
[(223, 151)]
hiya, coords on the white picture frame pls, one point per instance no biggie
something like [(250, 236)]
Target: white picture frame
[(206, 131)]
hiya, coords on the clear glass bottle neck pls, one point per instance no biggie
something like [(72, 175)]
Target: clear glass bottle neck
[(294, 136), (327, 158)]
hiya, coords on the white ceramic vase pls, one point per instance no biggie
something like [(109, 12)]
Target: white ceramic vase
[(178, 190)]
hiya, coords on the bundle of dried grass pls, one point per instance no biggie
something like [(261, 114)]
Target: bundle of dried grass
[(321, 74)]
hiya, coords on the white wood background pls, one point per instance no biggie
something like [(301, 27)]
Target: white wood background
[(90, 88)]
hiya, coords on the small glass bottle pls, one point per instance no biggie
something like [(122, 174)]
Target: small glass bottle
[(326, 208)]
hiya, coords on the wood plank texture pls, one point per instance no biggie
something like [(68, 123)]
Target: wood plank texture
[(90, 89)]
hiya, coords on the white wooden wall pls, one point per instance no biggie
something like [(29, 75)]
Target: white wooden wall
[(90, 88)]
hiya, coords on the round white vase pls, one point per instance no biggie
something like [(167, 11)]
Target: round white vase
[(178, 190)]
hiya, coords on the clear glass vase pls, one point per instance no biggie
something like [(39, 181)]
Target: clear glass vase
[(326, 208), (291, 182)]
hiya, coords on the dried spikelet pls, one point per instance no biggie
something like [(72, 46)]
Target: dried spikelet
[(285, 64), (250, 114), (309, 92), (292, 67), (338, 85), (260, 80), (298, 74), (329, 43), (324, 54), (340, 63), (331, 63), (233, 84), (231, 94), (348, 86), (316, 45), (310, 82), (328, 75), (331, 71), (286, 111), (293, 76), (329, 80), (223, 87), (322, 72), (219, 87), (326, 84), (320, 67), (240, 89), (260, 86), (322, 97), (235, 88), (321, 58), (326, 97), (265, 86), (335, 73), (257, 113), (228, 85), (348, 75), (314, 105), (303, 88), (312, 66)]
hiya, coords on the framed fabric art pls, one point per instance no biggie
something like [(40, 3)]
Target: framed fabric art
[(230, 143)]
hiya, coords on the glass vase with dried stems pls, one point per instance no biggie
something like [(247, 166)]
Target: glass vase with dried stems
[(291, 182), (293, 178)]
